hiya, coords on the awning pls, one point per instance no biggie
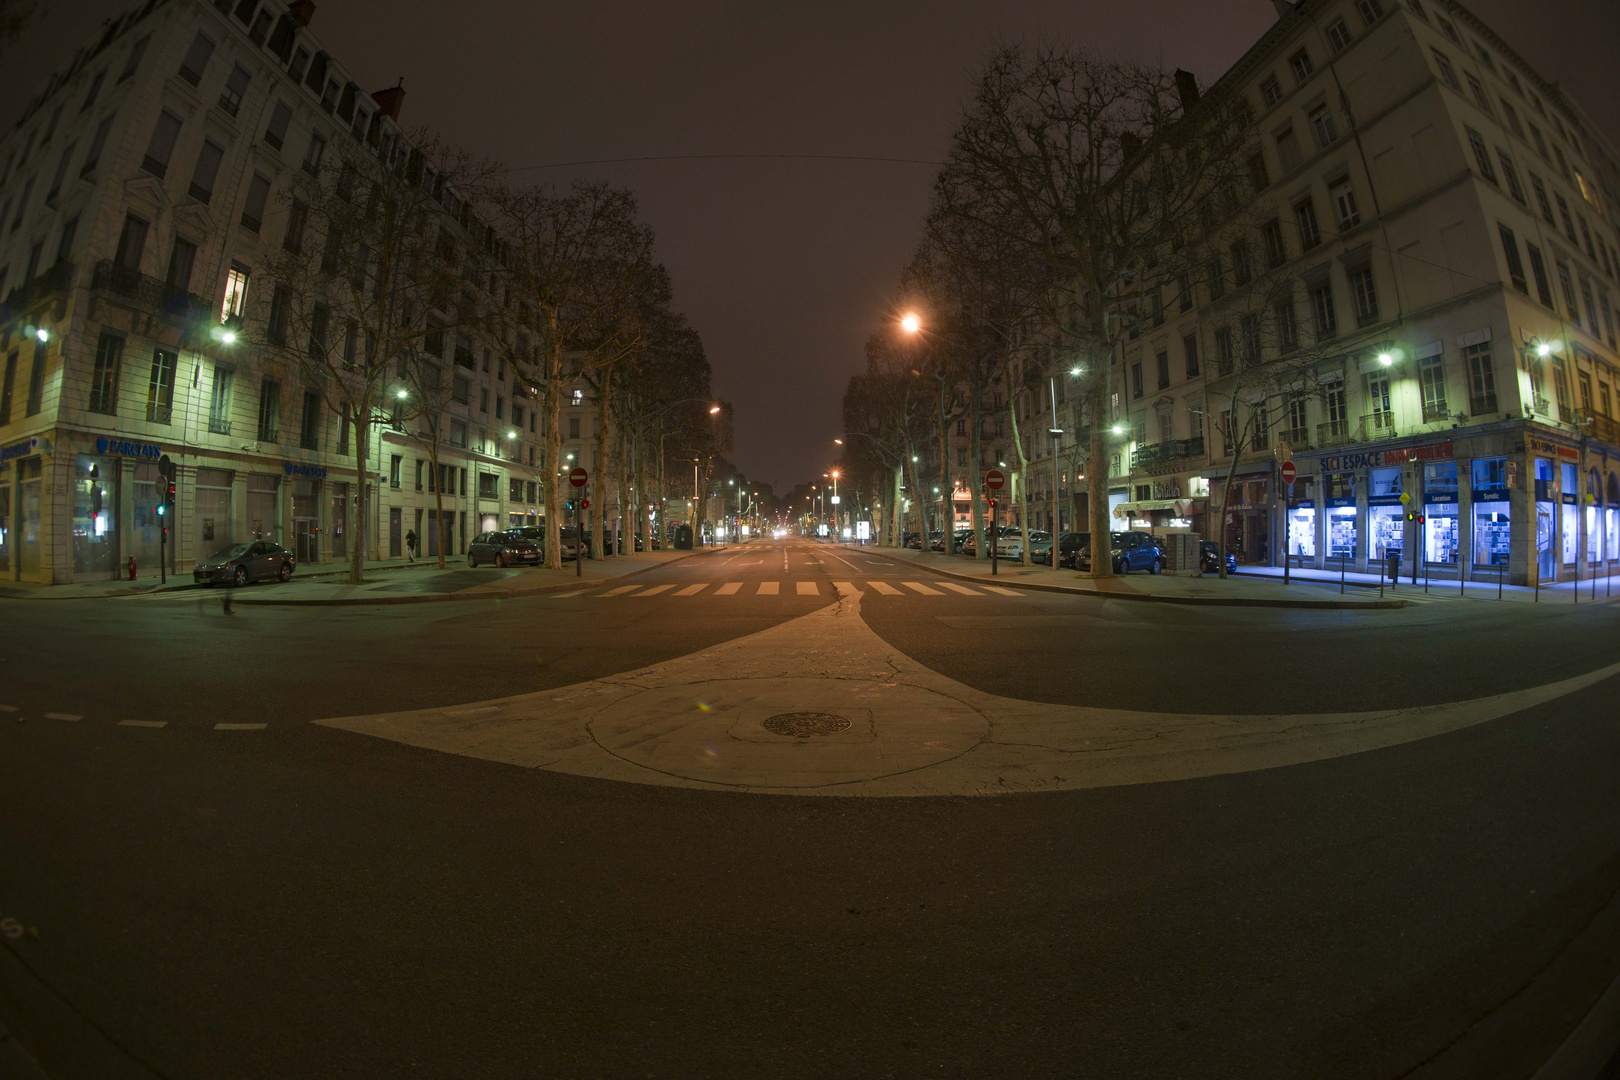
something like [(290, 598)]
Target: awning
[(1125, 510)]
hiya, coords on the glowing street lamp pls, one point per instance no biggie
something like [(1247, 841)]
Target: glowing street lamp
[(910, 323)]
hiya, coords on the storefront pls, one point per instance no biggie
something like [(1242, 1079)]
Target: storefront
[(211, 517), (1342, 534), (95, 518), (1492, 514), (1442, 523), (262, 512)]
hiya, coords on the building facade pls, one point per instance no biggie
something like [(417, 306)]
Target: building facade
[(139, 193)]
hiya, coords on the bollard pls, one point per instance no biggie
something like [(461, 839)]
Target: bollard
[(132, 568)]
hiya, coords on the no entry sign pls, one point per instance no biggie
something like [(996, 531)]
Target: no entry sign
[(1288, 472), (578, 476), (994, 479)]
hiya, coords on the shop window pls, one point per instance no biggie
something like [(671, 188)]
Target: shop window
[(486, 485), (104, 379)]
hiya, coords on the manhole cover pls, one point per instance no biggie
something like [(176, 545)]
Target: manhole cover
[(804, 724)]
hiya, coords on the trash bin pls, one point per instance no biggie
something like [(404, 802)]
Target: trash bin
[(1393, 558), (683, 538)]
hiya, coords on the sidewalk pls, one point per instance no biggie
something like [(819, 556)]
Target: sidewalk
[(393, 581), (1240, 591), (1564, 592)]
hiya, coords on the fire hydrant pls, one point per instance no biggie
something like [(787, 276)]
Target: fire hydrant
[(132, 568)]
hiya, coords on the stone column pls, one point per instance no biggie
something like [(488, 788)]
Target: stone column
[(1465, 518)]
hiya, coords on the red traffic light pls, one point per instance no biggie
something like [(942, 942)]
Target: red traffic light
[(1420, 519), (585, 505)]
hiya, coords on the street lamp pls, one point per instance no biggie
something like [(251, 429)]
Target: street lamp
[(910, 323)]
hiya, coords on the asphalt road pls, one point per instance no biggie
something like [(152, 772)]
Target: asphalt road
[(294, 900)]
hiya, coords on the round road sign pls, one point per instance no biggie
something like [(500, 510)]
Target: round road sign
[(1288, 472), (994, 479), (578, 476)]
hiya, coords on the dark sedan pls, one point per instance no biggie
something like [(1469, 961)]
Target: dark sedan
[(242, 563), (507, 547), (1209, 556)]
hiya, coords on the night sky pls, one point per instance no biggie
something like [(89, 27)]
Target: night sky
[(784, 267)]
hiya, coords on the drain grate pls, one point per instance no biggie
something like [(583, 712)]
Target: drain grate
[(802, 725)]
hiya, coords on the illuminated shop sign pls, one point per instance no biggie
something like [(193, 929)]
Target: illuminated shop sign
[(1373, 459), (129, 448)]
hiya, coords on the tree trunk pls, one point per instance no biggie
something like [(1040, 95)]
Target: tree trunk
[(598, 519), (974, 489), (438, 492), (1226, 492), (947, 484), (357, 529), (896, 515), (1023, 460), (1102, 565), (553, 451), (626, 518)]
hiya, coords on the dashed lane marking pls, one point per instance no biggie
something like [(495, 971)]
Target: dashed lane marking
[(769, 588), (728, 588), (846, 588), (809, 588), (143, 723), (63, 716), (920, 587), (885, 588), (620, 589), (693, 590), (963, 589), (239, 727), (655, 590)]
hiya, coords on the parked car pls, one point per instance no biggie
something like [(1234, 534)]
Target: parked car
[(911, 540), (572, 541), (961, 536), (1209, 554), (505, 547), (967, 543), (1009, 543), (1069, 545), (936, 541), (242, 563), (1040, 548), (1130, 551)]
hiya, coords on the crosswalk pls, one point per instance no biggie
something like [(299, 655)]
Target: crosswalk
[(799, 588)]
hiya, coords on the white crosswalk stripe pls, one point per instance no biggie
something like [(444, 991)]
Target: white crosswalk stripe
[(728, 588), (999, 591), (963, 589), (620, 590), (846, 588), (769, 588), (692, 590), (885, 588), (920, 587), (655, 590), (809, 588)]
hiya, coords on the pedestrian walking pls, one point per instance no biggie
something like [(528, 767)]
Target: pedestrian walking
[(410, 545)]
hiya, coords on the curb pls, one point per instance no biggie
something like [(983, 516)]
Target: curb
[(439, 598), (1205, 601)]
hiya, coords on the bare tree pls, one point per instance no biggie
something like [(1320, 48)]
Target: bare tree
[(378, 262), (1108, 172)]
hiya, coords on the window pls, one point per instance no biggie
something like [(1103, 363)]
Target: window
[(1432, 384), (297, 218), (1343, 197), (1376, 383), (1184, 284), (1310, 233), (269, 409), (1539, 269), (160, 386), (1541, 198), (300, 61), (134, 60), (577, 398), (22, 204), (1287, 326), (395, 461), (280, 313), (1561, 388), (1512, 118), (483, 399), (1477, 88), (1276, 250), (1563, 212), (1541, 144), (1338, 34), (1261, 437), (1322, 124), (500, 407), (61, 174), (1217, 278), (1569, 292), (1136, 379), (182, 257), (104, 379), (1443, 62), (97, 141), (1288, 151), (253, 209), (1258, 177), (161, 146), (1510, 248), (219, 404), (202, 178), (1451, 31), (1226, 428), (573, 427), (202, 48), (1365, 291), (95, 91), (1224, 357), (131, 243), (1300, 64), (1242, 269), (1189, 349), (236, 284), (64, 247), (1591, 310), (1163, 361), (486, 485), (1481, 157), (1370, 10), (460, 390), (1481, 378), (1511, 175), (1249, 327), (458, 433), (317, 148), (276, 133), (1327, 322), (1586, 237), (1337, 413), (230, 100), (320, 320), (36, 381), (1271, 90), (5, 389)]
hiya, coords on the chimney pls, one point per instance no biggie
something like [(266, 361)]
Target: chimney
[(301, 11), (1187, 89), (389, 100)]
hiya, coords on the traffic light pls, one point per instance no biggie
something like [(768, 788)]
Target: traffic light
[(586, 505), (569, 504), (162, 508), (1411, 516), (1420, 519)]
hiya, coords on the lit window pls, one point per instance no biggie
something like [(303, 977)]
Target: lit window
[(236, 286)]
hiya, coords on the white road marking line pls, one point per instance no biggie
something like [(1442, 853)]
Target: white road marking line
[(470, 710), (693, 590), (655, 590), (566, 595), (843, 560), (846, 588), (143, 723), (63, 716), (769, 588), (963, 589), (620, 589), (885, 588), (999, 590), (238, 727), (728, 588), (920, 587), (809, 588)]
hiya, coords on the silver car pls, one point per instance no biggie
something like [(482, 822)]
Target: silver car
[(242, 563)]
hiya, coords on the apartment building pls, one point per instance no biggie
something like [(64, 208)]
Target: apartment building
[(1430, 270), (139, 193)]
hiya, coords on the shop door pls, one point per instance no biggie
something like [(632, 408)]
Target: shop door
[(307, 546), (5, 528), (396, 532), (95, 517)]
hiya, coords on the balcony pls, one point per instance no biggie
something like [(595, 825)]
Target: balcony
[(52, 282), (1332, 433), (158, 413), (1541, 405), (1166, 456), (1297, 438), (1603, 428), (148, 293), (1483, 405), (218, 425), (1435, 411), (308, 441), (1376, 425)]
